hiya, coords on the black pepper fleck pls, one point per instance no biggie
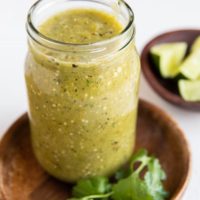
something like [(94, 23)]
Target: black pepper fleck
[(115, 142), (74, 65), (72, 149)]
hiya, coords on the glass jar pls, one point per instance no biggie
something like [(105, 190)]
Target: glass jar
[(82, 97)]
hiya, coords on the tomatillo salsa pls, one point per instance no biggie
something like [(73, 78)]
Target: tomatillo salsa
[(82, 107)]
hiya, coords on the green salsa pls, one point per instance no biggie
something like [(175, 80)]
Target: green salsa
[(82, 108), (81, 26)]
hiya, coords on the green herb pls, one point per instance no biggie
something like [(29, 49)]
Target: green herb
[(133, 187), (97, 187), (142, 180)]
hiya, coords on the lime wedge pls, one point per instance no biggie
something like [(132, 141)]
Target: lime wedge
[(196, 45), (168, 57), (190, 68), (189, 90)]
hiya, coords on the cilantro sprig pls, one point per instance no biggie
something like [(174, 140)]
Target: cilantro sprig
[(143, 180), (93, 188)]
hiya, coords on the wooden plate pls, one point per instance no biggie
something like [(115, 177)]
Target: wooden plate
[(167, 88), (21, 178)]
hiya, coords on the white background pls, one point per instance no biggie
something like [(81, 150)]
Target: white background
[(152, 17)]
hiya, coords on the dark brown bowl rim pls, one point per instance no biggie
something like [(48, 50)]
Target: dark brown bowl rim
[(154, 82)]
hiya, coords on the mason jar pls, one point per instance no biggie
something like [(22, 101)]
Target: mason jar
[(82, 97)]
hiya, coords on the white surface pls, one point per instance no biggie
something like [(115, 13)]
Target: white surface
[(152, 17)]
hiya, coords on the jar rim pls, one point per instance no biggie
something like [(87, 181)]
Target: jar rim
[(34, 33)]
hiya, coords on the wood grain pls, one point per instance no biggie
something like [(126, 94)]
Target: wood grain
[(22, 178)]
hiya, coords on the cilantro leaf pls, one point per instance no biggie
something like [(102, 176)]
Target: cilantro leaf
[(140, 156), (122, 173), (133, 187), (96, 187), (153, 179)]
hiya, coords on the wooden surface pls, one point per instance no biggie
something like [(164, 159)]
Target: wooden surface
[(167, 88), (21, 178)]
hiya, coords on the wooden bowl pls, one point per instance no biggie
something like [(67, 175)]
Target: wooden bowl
[(22, 178), (167, 88)]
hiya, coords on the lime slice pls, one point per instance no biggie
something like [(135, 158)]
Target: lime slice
[(196, 45), (168, 57), (189, 90), (190, 68)]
